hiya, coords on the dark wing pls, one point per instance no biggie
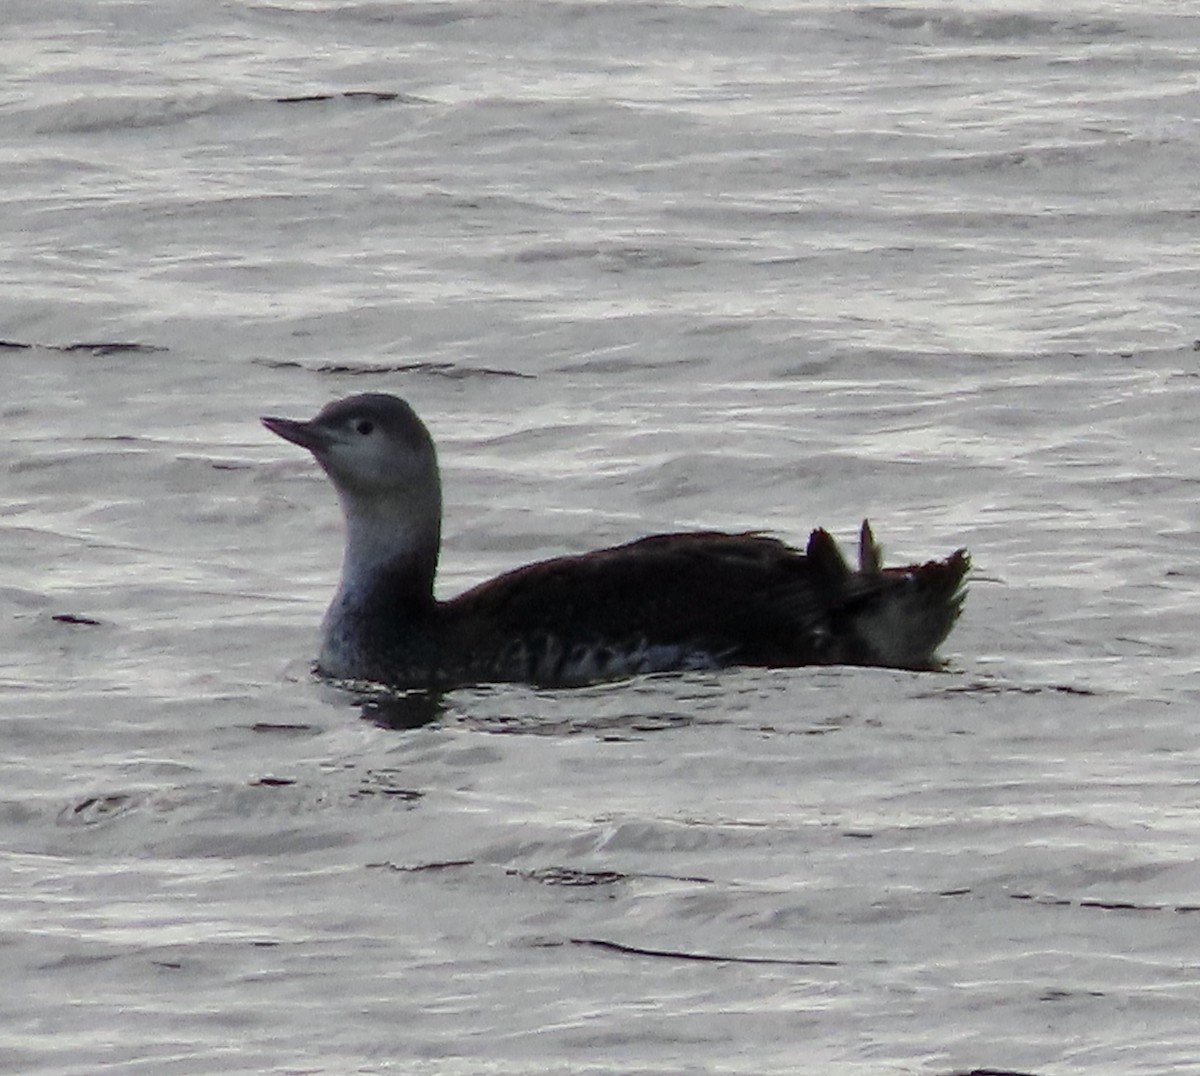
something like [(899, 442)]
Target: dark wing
[(738, 598)]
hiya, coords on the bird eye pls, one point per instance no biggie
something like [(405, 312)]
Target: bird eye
[(364, 426)]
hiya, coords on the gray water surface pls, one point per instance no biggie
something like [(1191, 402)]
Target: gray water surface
[(640, 266)]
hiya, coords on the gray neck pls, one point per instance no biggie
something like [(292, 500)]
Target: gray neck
[(391, 549), (386, 590)]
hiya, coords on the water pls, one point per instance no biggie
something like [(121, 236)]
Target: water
[(639, 266)]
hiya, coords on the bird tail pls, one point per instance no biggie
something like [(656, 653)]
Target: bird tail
[(895, 617)]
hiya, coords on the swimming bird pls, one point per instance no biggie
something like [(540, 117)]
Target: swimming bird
[(670, 602)]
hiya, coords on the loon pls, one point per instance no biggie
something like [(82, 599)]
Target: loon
[(669, 602)]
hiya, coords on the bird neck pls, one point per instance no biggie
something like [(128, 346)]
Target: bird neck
[(391, 553)]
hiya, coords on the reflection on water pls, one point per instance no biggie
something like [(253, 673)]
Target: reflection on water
[(399, 710), (550, 713)]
